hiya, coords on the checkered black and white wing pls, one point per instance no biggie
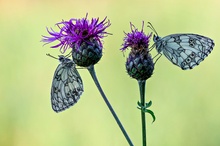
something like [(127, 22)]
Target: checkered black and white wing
[(67, 85), (184, 50)]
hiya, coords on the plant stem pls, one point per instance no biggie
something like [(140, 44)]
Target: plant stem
[(93, 74), (142, 98)]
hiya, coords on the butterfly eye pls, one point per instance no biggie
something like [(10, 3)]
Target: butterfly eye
[(155, 38), (61, 58)]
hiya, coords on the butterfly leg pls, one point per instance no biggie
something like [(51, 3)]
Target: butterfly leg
[(157, 57), (151, 47)]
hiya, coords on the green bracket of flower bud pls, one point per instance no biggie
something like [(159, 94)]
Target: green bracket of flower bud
[(146, 110)]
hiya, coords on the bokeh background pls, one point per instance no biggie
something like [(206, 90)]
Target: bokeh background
[(186, 103)]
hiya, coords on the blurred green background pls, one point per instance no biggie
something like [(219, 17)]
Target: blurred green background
[(186, 103)]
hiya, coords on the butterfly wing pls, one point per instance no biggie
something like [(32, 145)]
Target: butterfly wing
[(185, 50), (66, 88)]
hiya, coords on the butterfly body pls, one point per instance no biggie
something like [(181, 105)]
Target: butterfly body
[(67, 85), (184, 50)]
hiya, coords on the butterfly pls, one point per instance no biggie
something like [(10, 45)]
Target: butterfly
[(67, 85), (184, 50)]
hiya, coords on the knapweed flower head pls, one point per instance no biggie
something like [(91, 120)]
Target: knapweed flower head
[(136, 39), (80, 34), (139, 64)]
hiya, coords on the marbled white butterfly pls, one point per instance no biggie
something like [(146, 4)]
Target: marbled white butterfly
[(67, 85), (184, 50)]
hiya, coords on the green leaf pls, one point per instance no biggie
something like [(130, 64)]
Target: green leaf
[(146, 110), (148, 104), (151, 113)]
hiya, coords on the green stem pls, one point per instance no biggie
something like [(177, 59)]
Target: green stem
[(92, 73), (142, 98)]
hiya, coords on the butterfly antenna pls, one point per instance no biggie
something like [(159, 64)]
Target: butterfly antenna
[(51, 56), (152, 28)]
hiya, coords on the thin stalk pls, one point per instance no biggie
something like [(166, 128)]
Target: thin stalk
[(93, 74), (141, 84)]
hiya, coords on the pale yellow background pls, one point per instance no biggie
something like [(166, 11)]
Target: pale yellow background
[(186, 103)]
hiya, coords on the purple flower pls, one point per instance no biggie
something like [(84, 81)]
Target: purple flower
[(76, 31), (136, 39), (139, 64)]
